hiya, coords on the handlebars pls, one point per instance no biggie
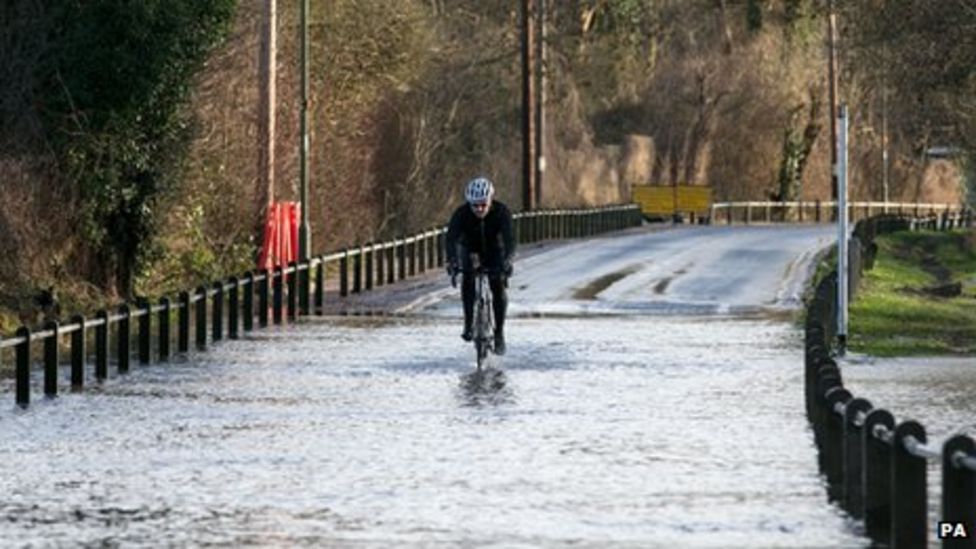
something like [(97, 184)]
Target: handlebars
[(478, 271)]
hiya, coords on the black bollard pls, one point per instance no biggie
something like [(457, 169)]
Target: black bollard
[(51, 350), (834, 443), (217, 308), (320, 288), (816, 355), (78, 353), (853, 467), (233, 308), (201, 320), (357, 271), (959, 491), (264, 291), (123, 333), (828, 377), (23, 352), (369, 271), (304, 276), (909, 498), (293, 292), (278, 301), (101, 345), (421, 253), (401, 248), (164, 319), (145, 336), (391, 263), (877, 488), (183, 330), (247, 290), (380, 256), (412, 257)]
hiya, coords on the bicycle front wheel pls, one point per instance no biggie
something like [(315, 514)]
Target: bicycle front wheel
[(482, 335)]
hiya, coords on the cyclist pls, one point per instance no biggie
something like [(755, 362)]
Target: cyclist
[(482, 226)]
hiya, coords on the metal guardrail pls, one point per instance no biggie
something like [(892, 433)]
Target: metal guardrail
[(822, 211), (876, 469), (286, 291)]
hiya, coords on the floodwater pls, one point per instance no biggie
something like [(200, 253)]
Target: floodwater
[(652, 396), (939, 393), (603, 432)]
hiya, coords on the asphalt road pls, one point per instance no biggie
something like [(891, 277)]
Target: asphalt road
[(648, 399)]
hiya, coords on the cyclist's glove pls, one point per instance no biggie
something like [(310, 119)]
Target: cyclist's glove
[(452, 268)]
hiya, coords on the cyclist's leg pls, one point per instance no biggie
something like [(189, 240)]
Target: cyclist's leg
[(496, 280), (467, 292), (499, 300)]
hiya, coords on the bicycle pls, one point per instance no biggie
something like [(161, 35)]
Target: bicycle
[(482, 323)]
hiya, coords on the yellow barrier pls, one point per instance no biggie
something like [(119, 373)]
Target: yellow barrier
[(661, 200)]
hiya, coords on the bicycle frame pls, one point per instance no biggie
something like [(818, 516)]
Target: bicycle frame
[(484, 329)]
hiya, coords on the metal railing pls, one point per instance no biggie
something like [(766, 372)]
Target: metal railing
[(267, 297), (817, 211), (876, 469)]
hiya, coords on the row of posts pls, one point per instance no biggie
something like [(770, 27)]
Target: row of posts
[(876, 469), (267, 296), (371, 265), (237, 295), (934, 216)]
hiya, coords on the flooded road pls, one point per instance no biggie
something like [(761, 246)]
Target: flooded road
[(608, 432), (630, 413), (939, 393)]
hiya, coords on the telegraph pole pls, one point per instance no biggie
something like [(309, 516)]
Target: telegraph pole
[(528, 107), (264, 194), (832, 76), (304, 234), (884, 127), (540, 132)]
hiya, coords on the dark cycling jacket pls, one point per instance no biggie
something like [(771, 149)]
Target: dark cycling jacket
[(491, 237)]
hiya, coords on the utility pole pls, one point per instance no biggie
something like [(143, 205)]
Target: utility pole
[(540, 132), (304, 234), (843, 266), (832, 76), (884, 126), (264, 193), (528, 107)]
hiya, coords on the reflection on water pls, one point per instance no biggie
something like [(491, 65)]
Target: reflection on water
[(485, 387)]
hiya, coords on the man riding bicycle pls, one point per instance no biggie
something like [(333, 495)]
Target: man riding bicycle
[(482, 226)]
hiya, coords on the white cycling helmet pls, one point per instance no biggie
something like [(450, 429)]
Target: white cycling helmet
[(479, 190)]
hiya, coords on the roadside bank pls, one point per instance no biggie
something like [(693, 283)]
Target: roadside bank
[(919, 298)]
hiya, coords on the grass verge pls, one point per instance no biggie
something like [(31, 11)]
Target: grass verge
[(896, 312)]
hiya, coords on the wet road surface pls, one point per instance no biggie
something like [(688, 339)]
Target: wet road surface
[(683, 429), (607, 432)]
